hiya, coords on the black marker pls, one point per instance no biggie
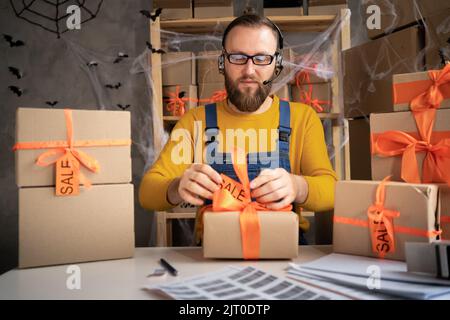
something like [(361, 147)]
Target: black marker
[(169, 268)]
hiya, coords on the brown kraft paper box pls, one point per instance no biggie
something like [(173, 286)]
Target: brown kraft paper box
[(178, 68), (213, 8), (383, 166), (417, 204), (50, 125), (206, 90), (207, 67), (222, 236), (97, 224), (421, 78), (174, 9), (369, 69)]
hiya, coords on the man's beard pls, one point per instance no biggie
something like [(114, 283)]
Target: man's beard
[(245, 100)]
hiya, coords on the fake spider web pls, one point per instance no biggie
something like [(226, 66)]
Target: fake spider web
[(51, 15)]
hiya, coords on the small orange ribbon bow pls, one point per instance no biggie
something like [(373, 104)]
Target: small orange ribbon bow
[(381, 223), (175, 104), (223, 200), (306, 97)]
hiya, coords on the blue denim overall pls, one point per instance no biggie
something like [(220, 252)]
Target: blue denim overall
[(221, 162)]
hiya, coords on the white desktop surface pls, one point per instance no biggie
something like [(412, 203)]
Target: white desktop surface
[(125, 278)]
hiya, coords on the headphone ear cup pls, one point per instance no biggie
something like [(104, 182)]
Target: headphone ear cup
[(221, 64)]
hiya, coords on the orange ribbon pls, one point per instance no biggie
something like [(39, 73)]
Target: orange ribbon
[(424, 105), (381, 225), (62, 149), (306, 97), (436, 164), (217, 96), (223, 200), (175, 104)]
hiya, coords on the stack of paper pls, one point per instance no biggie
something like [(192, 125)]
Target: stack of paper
[(369, 278), (242, 283)]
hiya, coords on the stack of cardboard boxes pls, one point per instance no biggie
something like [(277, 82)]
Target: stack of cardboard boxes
[(59, 221), (406, 139)]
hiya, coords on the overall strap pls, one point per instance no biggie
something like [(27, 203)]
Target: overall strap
[(284, 132), (211, 130)]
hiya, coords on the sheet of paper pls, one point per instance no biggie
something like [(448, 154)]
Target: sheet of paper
[(374, 276), (242, 283)]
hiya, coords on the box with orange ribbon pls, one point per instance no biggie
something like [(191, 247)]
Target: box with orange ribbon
[(376, 218), (222, 235), (236, 227), (211, 92), (412, 147), (411, 89), (177, 100), (76, 202)]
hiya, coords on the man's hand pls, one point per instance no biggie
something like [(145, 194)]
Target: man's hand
[(277, 188), (197, 183)]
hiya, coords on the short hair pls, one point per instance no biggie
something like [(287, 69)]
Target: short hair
[(252, 20)]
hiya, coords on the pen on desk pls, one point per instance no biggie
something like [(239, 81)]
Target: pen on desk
[(169, 268)]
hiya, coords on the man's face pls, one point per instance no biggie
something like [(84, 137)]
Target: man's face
[(244, 83)]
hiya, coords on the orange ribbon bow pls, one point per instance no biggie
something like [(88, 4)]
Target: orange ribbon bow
[(381, 223), (425, 104), (66, 152), (306, 97), (436, 164), (175, 104), (223, 200)]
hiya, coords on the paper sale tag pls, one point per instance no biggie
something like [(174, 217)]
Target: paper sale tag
[(234, 187), (67, 181)]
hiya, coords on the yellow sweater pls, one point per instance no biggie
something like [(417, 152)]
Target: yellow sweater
[(308, 153)]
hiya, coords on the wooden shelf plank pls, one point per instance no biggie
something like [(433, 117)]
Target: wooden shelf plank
[(285, 23), (171, 118)]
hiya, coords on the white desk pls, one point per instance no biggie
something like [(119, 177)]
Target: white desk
[(124, 279)]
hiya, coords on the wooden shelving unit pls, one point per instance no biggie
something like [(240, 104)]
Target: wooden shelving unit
[(287, 24)]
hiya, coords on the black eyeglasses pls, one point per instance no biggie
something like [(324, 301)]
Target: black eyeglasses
[(258, 59)]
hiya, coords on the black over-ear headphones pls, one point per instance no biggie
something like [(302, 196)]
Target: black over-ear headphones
[(278, 54)]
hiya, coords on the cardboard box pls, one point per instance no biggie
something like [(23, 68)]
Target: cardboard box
[(368, 71), (284, 93), (432, 258), (207, 67), (207, 90), (95, 225), (403, 92), (436, 39), (213, 8), (174, 9), (401, 13), (326, 10), (417, 204), (359, 142), (320, 91), (178, 68), (402, 121), (187, 93), (444, 211), (222, 236), (50, 125)]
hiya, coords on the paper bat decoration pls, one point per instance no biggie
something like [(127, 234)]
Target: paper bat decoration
[(120, 57), (150, 47), (114, 86), (51, 103), (13, 43), (16, 90), (16, 72), (123, 107), (152, 16)]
